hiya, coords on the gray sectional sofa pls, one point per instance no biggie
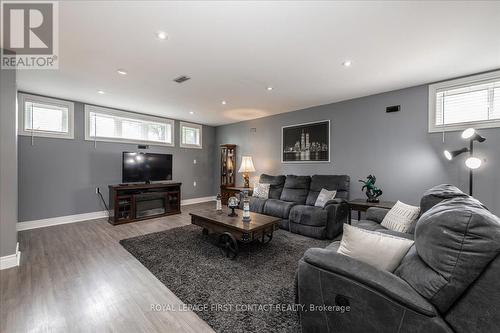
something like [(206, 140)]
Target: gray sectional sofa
[(447, 282), (292, 199)]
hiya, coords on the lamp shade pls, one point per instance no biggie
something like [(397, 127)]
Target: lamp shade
[(468, 133), (454, 153), (448, 155), (473, 162), (246, 164), (471, 134)]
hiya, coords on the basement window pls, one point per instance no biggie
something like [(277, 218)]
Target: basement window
[(473, 101), (45, 117), (191, 135), (104, 124)]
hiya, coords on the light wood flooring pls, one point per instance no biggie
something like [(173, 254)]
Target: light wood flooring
[(78, 278)]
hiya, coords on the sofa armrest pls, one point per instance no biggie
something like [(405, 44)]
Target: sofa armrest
[(338, 213), (335, 201), (385, 283), (376, 214)]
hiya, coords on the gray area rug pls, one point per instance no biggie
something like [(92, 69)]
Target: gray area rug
[(228, 294)]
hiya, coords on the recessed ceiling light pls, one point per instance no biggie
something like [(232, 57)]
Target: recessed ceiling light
[(102, 92), (191, 112), (347, 63), (121, 71), (224, 102), (161, 35), (269, 88)]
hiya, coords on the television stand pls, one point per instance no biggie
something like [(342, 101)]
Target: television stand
[(136, 202)]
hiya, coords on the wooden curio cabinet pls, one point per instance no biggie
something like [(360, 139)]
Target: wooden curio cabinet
[(227, 169)]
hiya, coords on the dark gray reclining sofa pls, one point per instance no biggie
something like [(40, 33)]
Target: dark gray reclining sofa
[(447, 282), (292, 199)]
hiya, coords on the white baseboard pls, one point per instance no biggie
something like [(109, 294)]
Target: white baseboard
[(60, 220), (27, 225), (12, 260), (196, 200)]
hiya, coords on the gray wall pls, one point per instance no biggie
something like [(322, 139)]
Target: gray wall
[(8, 163), (57, 177), (365, 140)]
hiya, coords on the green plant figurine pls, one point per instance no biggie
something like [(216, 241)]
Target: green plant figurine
[(372, 191)]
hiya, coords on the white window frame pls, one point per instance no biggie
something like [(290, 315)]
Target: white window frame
[(458, 83), (191, 125), (23, 98), (126, 114)]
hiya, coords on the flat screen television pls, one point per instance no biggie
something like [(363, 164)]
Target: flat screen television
[(146, 167)]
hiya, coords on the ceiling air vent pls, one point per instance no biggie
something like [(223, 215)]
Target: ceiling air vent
[(181, 78)]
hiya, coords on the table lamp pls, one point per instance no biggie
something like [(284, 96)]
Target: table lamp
[(245, 168)]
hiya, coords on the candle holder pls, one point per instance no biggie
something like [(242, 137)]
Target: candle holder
[(232, 203)]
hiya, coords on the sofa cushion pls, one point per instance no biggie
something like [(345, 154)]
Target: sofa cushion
[(374, 226), (256, 204), (276, 184), (376, 214), (278, 208), (339, 183), (309, 215), (482, 295), (260, 190), (401, 217), (454, 242), (374, 248), (334, 246), (285, 224), (438, 193), (308, 230), (296, 189), (324, 196)]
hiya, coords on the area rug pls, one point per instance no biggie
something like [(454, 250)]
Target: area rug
[(253, 293)]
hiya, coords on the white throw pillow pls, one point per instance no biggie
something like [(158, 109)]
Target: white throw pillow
[(261, 190), (324, 196), (401, 217), (380, 250)]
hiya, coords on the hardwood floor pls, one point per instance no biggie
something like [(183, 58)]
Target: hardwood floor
[(78, 278)]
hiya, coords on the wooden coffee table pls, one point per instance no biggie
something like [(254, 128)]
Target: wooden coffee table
[(231, 230)]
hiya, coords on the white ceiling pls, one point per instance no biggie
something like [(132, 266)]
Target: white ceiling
[(234, 50)]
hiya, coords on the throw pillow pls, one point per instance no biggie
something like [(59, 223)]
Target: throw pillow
[(380, 250), (323, 197), (261, 190), (401, 217)]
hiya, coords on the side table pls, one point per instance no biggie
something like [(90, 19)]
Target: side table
[(229, 191), (361, 205)]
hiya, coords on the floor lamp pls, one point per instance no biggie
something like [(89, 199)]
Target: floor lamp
[(471, 162)]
